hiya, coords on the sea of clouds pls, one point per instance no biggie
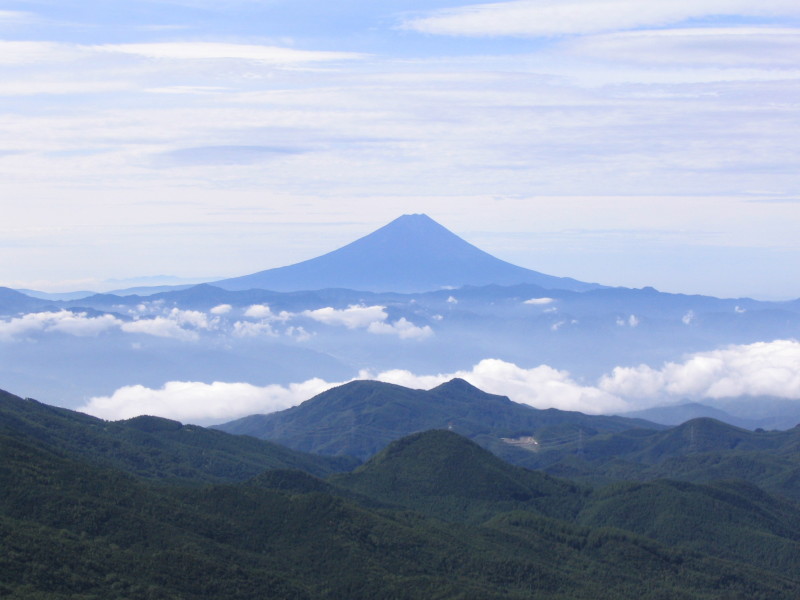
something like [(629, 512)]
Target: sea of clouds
[(187, 325), (764, 368), (758, 369)]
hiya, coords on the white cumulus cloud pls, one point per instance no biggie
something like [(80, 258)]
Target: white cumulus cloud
[(402, 328), (176, 324), (764, 368), (539, 301), (192, 318), (259, 311), (64, 321), (263, 311), (352, 317), (253, 329), (160, 327), (540, 387), (192, 401)]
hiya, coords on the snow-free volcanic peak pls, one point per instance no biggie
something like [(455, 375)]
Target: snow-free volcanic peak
[(413, 253)]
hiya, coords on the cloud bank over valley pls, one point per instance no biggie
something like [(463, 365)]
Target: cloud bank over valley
[(761, 369), (153, 319), (256, 350)]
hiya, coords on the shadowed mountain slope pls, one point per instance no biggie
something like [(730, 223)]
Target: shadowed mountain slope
[(413, 253), (675, 415), (362, 417), (72, 530), (13, 302), (446, 476), (733, 520), (701, 450), (153, 447)]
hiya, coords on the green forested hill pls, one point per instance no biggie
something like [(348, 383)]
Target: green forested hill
[(732, 520), (700, 450), (447, 476), (72, 530), (151, 509), (154, 447)]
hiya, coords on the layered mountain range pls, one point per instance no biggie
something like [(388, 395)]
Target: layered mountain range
[(465, 306), (361, 417), (151, 508)]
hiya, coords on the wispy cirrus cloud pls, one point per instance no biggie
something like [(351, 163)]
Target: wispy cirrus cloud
[(30, 52), (215, 50), (224, 155), (552, 18), (722, 47), (60, 87), (45, 51), (17, 17)]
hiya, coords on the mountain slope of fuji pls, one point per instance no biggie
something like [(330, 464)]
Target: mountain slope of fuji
[(413, 253)]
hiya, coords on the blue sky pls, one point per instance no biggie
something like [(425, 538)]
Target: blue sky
[(621, 142)]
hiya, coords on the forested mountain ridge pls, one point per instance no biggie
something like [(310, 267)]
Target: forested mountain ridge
[(153, 447), (361, 417), (432, 515), (73, 530), (700, 450)]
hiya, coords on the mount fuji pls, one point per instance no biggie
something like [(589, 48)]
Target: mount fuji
[(413, 253)]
